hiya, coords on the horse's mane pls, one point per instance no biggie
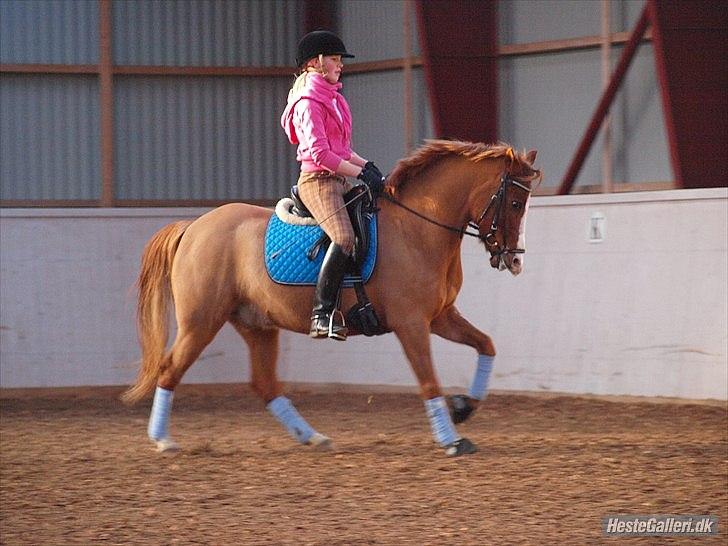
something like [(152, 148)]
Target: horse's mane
[(434, 150)]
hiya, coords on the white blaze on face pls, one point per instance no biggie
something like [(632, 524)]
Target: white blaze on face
[(522, 232)]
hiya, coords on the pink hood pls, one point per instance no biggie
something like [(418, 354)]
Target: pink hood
[(318, 120)]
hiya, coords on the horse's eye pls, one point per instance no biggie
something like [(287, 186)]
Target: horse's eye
[(516, 205)]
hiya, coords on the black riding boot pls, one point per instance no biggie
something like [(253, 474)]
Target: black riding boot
[(326, 321)]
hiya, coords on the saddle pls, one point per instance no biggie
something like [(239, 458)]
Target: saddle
[(360, 207), (362, 210)]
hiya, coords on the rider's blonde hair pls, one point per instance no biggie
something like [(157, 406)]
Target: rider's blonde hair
[(300, 82)]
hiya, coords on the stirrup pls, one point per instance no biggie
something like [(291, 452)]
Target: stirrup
[(337, 332), (329, 328)]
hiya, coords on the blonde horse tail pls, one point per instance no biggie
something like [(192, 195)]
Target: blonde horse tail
[(155, 294)]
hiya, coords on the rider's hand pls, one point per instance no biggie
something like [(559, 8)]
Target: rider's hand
[(374, 168), (372, 177)]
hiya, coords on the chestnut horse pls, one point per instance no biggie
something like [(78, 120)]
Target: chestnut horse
[(213, 270)]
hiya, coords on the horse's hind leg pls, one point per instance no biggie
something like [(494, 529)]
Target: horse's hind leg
[(263, 346), (450, 324), (187, 346)]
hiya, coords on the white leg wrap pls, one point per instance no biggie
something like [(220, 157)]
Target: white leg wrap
[(479, 387), (442, 428), (159, 418), (283, 410)]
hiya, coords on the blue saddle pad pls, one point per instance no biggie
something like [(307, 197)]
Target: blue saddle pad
[(286, 246)]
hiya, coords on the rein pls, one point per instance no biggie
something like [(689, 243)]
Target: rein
[(489, 238), (460, 230)]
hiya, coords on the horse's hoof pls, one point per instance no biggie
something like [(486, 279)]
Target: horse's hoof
[(460, 408), (463, 446), (320, 442), (167, 446)]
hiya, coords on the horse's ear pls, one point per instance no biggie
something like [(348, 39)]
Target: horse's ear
[(531, 156)]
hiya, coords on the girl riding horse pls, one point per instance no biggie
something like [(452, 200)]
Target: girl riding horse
[(317, 118), (214, 270)]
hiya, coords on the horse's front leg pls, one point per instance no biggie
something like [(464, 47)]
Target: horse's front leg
[(415, 340), (451, 325)]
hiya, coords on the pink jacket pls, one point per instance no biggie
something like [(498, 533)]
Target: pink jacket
[(319, 120)]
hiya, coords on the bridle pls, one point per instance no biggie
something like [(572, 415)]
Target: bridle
[(498, 200), (499, 197)]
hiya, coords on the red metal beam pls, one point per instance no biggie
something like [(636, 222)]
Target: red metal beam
[(106, 104), (318, 15), (459, 42), (692, 66), (604, 104)]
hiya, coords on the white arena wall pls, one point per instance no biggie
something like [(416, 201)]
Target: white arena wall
[(642, 312)]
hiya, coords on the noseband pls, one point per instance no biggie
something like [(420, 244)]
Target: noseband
[(499, 201)]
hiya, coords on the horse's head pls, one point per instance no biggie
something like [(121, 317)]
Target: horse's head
[(499, 182), (502, 224)]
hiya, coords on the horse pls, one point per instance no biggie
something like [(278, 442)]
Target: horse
[(212, 269)]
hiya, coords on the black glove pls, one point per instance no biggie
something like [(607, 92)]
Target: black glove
[(373, 167), (372, 177)]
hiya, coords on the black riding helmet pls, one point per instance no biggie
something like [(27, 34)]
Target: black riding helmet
[(319, 42)]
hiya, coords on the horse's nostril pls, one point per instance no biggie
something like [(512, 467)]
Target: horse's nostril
[(517, 261)]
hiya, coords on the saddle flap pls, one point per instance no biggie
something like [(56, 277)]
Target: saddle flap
[(359, 221)]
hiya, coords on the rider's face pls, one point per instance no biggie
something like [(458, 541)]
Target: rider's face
[(332, 67)]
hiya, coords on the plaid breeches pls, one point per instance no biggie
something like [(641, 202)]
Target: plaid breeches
[(323, 195)]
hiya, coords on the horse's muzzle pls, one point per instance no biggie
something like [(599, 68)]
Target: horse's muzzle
[(514, 263), (507, 260)]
